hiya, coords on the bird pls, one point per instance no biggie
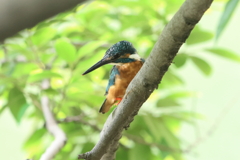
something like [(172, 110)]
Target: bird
[(126, 64)]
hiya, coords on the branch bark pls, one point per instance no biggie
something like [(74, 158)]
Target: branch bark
[(148, 78), (52, 127), (18, 15)]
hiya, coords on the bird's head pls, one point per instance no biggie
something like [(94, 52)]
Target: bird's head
[(118, 54)]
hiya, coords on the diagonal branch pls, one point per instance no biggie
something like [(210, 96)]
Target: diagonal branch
[(81, 120), (148, 78)]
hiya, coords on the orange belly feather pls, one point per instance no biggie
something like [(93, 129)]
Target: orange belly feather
[(127, 73)]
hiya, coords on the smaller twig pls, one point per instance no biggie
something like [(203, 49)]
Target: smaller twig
[(35, 54), (82, 121), (52, 127), (79, 119), (50, 63)]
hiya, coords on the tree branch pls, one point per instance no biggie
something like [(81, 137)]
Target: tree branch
[(52, 127), (148, 78), (18, 15)]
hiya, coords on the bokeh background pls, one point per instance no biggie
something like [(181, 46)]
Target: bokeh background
[(194, 115)]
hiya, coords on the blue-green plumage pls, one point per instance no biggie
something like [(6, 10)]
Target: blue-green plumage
[(115, 54), (120, 48), (114, 72), (112, 77)]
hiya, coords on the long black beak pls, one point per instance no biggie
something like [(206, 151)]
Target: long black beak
[(97, 65)]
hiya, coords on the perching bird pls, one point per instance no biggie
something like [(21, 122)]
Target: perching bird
[(126, 63)]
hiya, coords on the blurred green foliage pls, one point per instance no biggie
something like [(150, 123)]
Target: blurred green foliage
[(229, 9), (63, 47)]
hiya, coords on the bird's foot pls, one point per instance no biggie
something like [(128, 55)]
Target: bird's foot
[(118, 100)]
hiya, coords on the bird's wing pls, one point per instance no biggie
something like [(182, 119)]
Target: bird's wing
[(111, 81)]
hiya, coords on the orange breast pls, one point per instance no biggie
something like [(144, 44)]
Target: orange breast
[(127, 73)]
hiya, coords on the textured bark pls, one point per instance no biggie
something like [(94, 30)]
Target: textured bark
[(16, 15), (148, 78), (111, 152)]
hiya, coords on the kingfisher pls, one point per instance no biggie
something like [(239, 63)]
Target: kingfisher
[(126, 64)]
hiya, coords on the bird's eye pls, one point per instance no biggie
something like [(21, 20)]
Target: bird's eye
[(117, 55)]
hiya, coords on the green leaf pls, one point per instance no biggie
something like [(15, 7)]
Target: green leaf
[(153, 127), (7, 79), (180, 60), (43, 75), (185, 116), (172, 99), (84, 65), (140, 152), (170, 138), (35, 143), (226, 16), (17, 103), (24, 69), (35, 138), (65, 50), (202, 65), (121, 153), (43, 35), (171, 79), (87, 147), (167, 102), (21, 47), (89, 48), (3, 108), (169, 157), (225, 53), (181, 94), (138, 125), (198, 36)]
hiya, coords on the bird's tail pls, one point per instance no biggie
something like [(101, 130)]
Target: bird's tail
[(107, 104)]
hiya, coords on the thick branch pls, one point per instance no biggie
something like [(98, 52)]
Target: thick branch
[(17, 15), (148, 78), (52, 127), (111, 152)]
